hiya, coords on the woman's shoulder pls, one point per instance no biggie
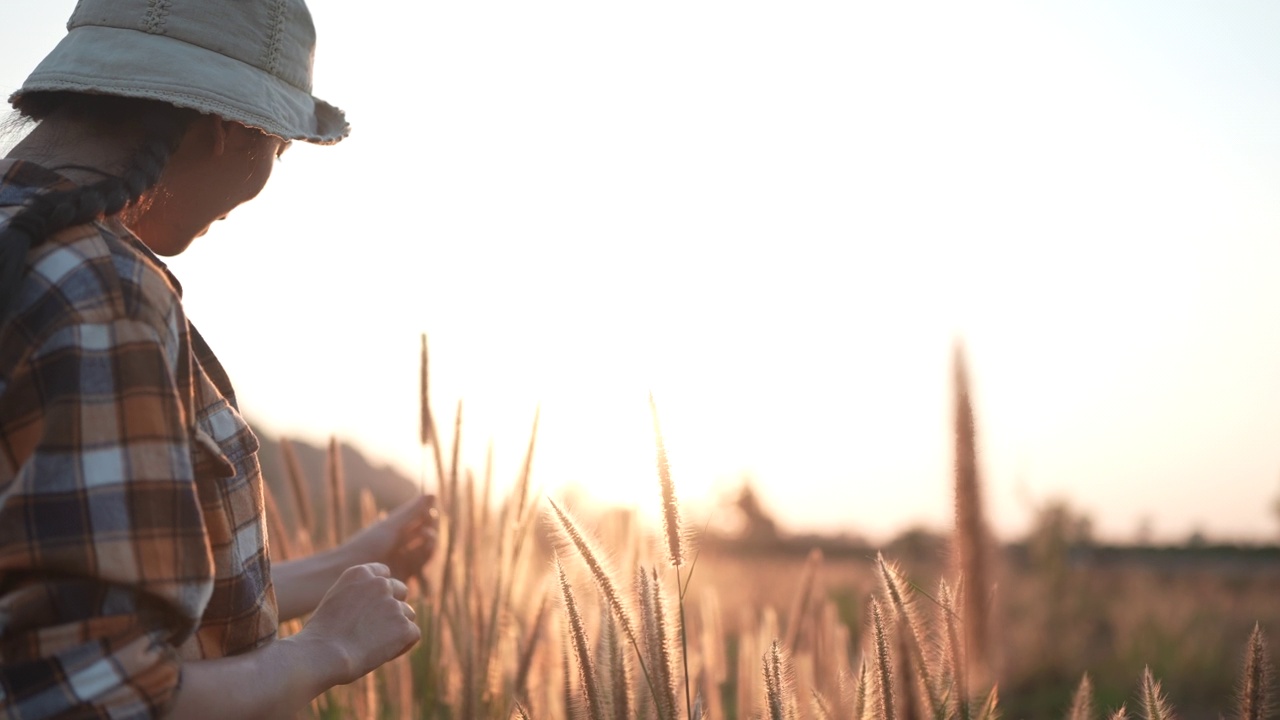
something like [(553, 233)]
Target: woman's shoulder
[(96, 273)]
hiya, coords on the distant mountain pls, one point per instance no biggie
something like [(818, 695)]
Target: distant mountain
[(389, 487)]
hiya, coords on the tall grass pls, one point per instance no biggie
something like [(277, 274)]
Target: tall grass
[(521, 625)]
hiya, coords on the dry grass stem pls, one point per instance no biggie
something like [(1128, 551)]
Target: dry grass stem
[(1255, 686), (1154, 705), (337, 491), (298, 483), (277, 535), (884, 666), (581, 647), (670, 511), (970, 539), (1082, 702)]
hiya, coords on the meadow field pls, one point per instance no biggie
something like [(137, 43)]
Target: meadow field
[(536, 609)]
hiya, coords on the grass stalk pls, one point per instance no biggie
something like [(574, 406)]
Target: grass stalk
[(1255, 686), (1154, 705), (884, 666), (581, 647), (594, 560), (895, 588), (970, 536), (337, 491), (1082, 701), (298, 483)]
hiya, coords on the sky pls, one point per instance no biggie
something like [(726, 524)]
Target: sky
[(778, 217)]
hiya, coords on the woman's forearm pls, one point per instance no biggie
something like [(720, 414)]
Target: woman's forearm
[(301, 583), (275, 681), (359, 624)]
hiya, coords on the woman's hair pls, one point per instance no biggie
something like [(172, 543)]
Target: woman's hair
[(163, 127)]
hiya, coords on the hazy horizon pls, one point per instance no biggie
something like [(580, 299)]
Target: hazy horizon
[(778, 218)]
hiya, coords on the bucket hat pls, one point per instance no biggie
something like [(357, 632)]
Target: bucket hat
[(244, 60)]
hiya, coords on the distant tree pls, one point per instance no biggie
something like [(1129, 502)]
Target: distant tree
[(758, 526)]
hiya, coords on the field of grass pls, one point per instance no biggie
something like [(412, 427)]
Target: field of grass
[(532, 610)]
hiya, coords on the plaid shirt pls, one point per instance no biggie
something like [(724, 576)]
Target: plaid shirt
[(131, 517)]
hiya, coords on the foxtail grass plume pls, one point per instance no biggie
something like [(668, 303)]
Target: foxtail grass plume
[(657, 642), (957, 679), (1121, 713), (970, 540), (337, 492), (298, 483), (897, 591), (803, 598), (991, 707), (1154, 704), (581, 648), (779, 686), (522, 485), (424, 399), (670, 510), (277, 534), (1255, 686), (1082, 702), (884, 665)]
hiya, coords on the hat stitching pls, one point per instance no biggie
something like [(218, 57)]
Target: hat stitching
[(271, 56), (157, 14), (199, 103)]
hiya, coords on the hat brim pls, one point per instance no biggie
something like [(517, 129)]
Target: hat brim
[(132, 63)]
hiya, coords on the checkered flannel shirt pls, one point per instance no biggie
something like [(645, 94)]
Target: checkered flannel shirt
[(132, 535)]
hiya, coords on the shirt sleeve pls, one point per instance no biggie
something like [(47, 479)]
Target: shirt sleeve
[(105, 564)]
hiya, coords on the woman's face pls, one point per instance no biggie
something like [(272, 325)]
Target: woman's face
[(219, 165)]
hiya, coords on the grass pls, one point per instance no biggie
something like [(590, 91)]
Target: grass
[(527, 614)]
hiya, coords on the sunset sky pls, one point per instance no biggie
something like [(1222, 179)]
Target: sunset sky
[(777, 217)]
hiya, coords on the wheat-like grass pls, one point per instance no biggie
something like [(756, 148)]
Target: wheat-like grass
[(657, 636), (1255, 686), (522, 485), (821, 708), (895, 588), (277, 536), (775, 703), (1154, 704), (337, 491), (298, 483), (884, 665), (970, 538), (525, 663), (1082, 701), (1121, 713), (426, 424), (581, 646), (802, 599), (957, 685), (670, 509), (571, 534), (862, 693), (991, 706)]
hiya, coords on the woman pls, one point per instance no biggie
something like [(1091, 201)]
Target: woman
[(135, 579)]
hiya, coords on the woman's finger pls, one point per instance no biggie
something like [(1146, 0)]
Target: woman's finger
[(399, 590)]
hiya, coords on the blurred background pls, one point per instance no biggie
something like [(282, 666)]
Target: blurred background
[(778, 217)]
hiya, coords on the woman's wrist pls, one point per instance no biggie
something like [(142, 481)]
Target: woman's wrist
[(327, 662)]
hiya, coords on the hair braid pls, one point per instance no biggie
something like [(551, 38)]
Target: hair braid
[(47, 214)]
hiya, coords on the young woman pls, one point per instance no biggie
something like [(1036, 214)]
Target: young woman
[(135, 576)]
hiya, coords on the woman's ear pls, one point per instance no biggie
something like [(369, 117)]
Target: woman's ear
[(221, 131), (205, 137)]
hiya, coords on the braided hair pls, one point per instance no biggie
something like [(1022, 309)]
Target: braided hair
[(47, 213)]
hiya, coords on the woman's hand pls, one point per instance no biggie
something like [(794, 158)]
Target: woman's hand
[(403, 541), (362, 622)]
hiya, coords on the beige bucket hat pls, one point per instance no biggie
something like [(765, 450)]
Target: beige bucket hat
[(243, 60)]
